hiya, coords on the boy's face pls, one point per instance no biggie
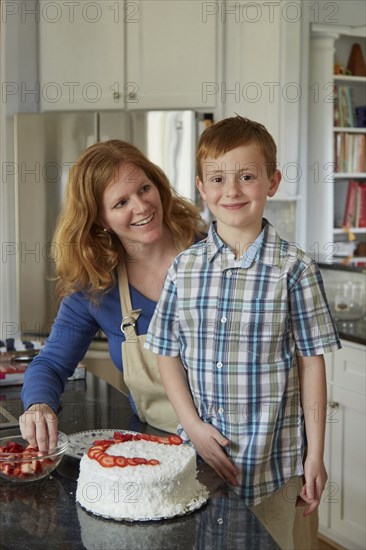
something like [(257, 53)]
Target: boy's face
[(236, 186)]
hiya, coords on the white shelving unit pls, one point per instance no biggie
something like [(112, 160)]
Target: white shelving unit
[(327, 188)]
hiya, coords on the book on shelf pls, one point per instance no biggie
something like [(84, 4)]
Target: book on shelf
[(350, 152), (344, 109), (361, 206), (355, 206)]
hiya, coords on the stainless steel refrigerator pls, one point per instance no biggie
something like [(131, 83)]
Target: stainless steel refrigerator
[(46, 145)]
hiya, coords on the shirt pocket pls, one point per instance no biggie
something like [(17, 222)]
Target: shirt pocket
[(265, 331)]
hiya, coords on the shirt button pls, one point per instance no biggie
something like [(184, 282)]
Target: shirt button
[(220, 410), (219, 365), (223, 319), (228, 274)]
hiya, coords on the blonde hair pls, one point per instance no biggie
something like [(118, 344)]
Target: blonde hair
[(87, 256), (234, 132)]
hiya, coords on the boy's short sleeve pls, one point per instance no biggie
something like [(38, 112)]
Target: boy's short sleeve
[(313, 327), (163, 337)]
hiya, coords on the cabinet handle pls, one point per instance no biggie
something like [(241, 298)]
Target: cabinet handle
[(333, 405)]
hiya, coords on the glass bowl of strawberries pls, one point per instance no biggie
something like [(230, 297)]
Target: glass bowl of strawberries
[(21, 462)]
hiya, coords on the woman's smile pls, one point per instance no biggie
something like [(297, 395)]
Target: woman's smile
[(144, 221)]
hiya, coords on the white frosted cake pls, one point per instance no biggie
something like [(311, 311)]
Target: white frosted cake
[(139, 477)]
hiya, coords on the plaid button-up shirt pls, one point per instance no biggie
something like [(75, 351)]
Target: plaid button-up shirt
[(238, 327)]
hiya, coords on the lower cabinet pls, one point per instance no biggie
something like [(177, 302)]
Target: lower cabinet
[(342, 512)]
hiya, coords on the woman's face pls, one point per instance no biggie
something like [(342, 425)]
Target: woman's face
[(131, 207)]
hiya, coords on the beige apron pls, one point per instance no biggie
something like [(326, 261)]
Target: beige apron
[(140, 368)]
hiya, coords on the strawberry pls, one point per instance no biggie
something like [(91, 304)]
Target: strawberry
[(95, 453), (36, 466), (122, 437), (175, 440), (13, 447), (31, 449), (163, 440), (106, 460), (153, 462), (120, 461), (143, 437), (8, 469), (140, 460), (100, 447)]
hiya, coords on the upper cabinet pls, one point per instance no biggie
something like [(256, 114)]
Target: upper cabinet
[(171, 55), (81, 55), (263, 75), (127, 54)]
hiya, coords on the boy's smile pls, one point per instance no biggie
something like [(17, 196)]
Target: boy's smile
[(235, 187)]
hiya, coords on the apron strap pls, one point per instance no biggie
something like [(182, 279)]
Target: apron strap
[(129, 316), (124, 290)]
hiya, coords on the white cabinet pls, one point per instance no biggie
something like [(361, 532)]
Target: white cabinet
[(342, 511), (127, 54), (265, 45), (81, 55), (262, 77), (328, 178), (171, 54)]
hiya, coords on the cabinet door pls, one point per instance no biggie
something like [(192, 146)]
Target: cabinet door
[(263, 76), (347, 469), (81, 55), (171, 55), (349, 367)]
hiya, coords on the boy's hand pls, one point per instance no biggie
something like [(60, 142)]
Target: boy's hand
[(315, 480), (208, 442)]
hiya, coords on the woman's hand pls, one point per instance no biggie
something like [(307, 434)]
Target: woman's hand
[(209, 442), (38, 426), (315, 480)]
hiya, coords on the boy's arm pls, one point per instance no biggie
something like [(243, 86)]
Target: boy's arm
[(206, 439), (313, 391)]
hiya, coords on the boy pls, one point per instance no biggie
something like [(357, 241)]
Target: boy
[(240, 329)]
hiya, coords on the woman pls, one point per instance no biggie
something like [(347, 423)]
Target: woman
[(120, 228)]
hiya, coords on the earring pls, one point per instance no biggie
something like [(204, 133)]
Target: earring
[(105, 229)]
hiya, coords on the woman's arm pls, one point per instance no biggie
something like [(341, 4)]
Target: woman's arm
[(207, 440), (46, 375), (314, 402)]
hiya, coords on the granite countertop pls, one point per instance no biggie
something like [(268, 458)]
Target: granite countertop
[(44, 514)]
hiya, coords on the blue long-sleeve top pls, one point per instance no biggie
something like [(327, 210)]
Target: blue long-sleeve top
[(75, 326)]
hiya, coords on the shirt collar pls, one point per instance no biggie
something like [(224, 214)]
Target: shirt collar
[(267, 248)]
